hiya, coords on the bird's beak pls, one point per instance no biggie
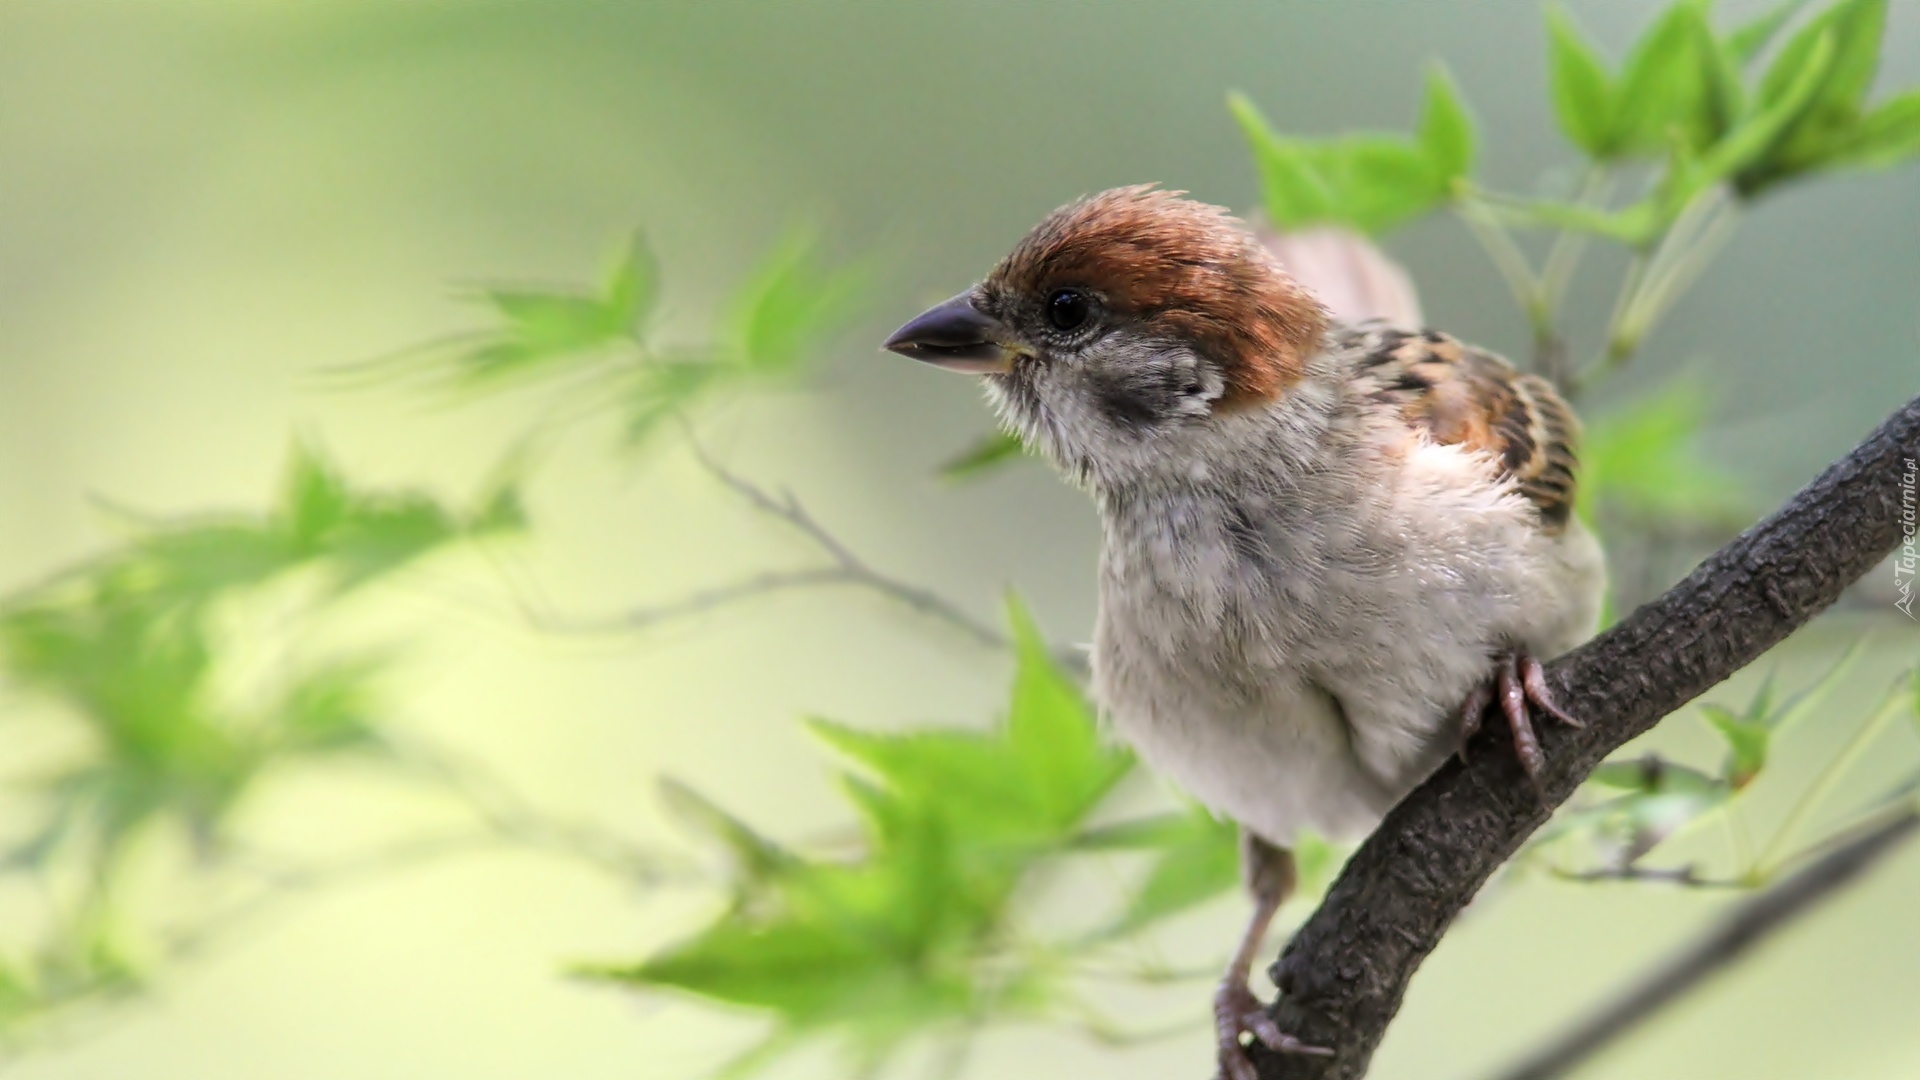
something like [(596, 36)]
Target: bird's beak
[(956, 336)]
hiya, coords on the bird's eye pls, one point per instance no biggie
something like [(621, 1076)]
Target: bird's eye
[(1069, 309)]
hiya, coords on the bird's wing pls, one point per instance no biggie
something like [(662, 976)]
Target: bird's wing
[(1461, 395)]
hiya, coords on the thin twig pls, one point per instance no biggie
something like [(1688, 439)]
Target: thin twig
[(846, 569), (849, 567), (510, 819), (1889, 707), (1753, 922), (1504, 251), (1684, 876)]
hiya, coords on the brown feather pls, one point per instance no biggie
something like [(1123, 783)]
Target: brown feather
[(1460, 395), (1182, 267)]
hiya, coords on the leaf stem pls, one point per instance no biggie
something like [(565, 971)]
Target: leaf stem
[(1771, 859), (1506, 255)]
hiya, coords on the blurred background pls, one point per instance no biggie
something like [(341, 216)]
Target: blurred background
[(202, 204)]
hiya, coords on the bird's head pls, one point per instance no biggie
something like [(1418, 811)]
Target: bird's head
[(1121, 322)]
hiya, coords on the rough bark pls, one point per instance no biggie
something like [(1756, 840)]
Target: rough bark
[(1345, 972)]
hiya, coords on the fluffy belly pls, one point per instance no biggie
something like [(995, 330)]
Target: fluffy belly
[(1275, 764)]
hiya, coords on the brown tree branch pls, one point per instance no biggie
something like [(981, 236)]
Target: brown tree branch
[(1726, 943), (1345, 972)]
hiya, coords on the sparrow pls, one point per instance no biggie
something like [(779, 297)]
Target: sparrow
[(1327, 548)]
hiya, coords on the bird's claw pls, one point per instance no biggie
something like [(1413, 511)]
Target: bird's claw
[(1236, 1012), (1519, 685)]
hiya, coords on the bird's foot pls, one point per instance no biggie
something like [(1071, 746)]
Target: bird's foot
[(1237, 1012), (1519, 685)]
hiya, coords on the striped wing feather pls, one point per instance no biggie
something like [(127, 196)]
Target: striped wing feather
[(1460, 395)]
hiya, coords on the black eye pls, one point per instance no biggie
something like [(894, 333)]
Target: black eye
[(1069, 309)]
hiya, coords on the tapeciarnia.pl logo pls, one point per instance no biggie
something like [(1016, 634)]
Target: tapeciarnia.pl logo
[(1907, 560)]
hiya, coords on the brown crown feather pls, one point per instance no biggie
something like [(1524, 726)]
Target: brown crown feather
[(1182, 267)]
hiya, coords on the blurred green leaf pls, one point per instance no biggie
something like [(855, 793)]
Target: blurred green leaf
[(757, 859), (1746, 41), (1660, 798), (1664, 85), (134, 647), (1196, 862), (791, 305), (1856, 27), (986, 454), (1582, 91), (1654, 776), (1293, 192), (332, 706), (631, 291), (1138, 834), (908, 934), (1379, 181), (551, 324), (1756, 136), (1801, 706), (1446, 129), (1724, 94), (1886, 136), (1841, 44), (1052, 731), (1369, 182), (658, 389), (1644, 459), (1747, 743)]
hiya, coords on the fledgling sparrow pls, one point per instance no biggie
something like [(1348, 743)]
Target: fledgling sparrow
[(1327, 548)]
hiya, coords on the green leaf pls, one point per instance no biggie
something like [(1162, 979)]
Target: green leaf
[(986, 454), (654, 390), (1293, 192), (1199, 863), (1661, 798), (1746, 41), (1139, 834), (1379, 181), (1857, 27), (1027, 785), (386, 534), (1583, 95), (631, 290), (757, 859), (1747, 743), (791, 305), (1052, 730), (877, 948), (1843, 43), (1644, 460), (1801, 706), (550, 324), (809, 972), (313, 497), (1654, 776), (1663, 85), (334, 706), (1886, 136), (1725, 94), (1756, 137), (1446, 129)]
